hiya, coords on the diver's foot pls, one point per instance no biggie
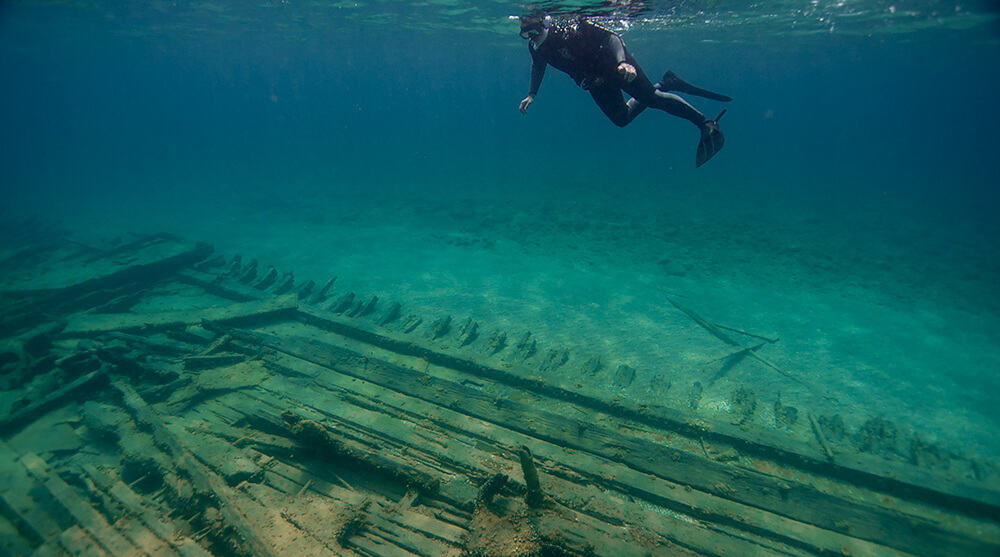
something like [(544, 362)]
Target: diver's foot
[(712, 140)]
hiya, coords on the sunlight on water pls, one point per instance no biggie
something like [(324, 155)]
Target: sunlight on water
[(744, 21)]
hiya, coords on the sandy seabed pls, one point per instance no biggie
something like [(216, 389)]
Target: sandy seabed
[(876, 318)]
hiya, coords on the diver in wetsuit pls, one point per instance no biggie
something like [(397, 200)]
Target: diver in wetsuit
[(598, 61)]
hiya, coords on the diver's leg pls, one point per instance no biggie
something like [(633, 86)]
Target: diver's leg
[(643, 91), (647, 95), (612, 103)]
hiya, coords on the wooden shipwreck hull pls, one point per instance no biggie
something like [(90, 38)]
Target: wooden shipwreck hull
[(166, 401)]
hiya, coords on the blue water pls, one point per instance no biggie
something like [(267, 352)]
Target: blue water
[(171, 97), (858, 116)]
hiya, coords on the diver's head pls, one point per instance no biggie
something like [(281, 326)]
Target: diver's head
[(535, 27)]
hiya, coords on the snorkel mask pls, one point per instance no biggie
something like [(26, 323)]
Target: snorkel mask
[(534, 26)]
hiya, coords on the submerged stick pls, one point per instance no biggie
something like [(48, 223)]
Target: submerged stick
[(751, 335), (717, 333), (819, 435)]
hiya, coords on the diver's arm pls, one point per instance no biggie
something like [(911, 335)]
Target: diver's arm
[(537, 73), (617, 49)]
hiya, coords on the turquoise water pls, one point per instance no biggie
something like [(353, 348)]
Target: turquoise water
[(853, 210)]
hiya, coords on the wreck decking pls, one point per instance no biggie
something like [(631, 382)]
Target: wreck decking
[(172, 402)]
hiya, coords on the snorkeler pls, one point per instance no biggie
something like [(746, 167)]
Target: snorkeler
[(598, 61)]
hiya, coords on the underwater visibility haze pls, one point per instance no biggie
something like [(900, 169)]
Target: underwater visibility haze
[(852, 216)]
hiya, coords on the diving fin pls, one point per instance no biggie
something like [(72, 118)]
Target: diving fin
[(711, 142), (671, 82)]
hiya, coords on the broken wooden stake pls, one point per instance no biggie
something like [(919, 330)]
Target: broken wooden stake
[(819, 436), (534, 497)]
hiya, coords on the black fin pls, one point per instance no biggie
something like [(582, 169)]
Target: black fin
[(712, 140), (671, 82)]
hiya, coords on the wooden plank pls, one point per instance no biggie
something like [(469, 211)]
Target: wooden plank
[(146, 264), (76, 541), (859, 469), (96, 324), (201, 477), (225, 289), (19, 494), (133, 503), (462, 438), (610, 535), (51, 548), (89, 519), (798, 501), (401, 431), (11, 541), (13, 422)]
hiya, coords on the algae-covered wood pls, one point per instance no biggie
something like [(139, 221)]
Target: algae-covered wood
[(170, 404)]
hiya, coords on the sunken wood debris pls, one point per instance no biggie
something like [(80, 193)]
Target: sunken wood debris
[(391, 314), (323, 293), (233, 421)]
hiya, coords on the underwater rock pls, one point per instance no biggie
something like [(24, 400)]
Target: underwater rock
[(694, 395), (343, 303), (392, 314), (468, 332), (269, 278), (525, 346), (285, 284), (306, 289), (744, 404), (497, 342), (554, 360), (624, 376), (927, 455), (321, 295), (440, 328), (877, 436), (410, 323), (592, 365)]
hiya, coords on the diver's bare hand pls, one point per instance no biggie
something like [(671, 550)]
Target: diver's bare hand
[(627, 71), (526, 103)]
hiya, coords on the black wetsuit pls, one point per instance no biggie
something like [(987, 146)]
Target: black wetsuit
[(591, 55)]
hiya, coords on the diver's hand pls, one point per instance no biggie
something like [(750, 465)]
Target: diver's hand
[(526, 103), (627, 71)]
